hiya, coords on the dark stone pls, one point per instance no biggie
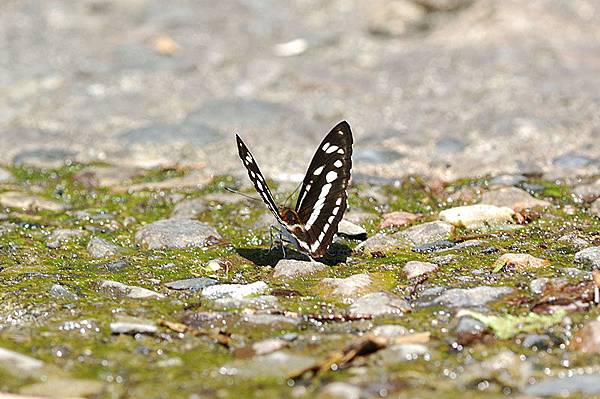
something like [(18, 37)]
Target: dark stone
[(434, 246), (191, 284)]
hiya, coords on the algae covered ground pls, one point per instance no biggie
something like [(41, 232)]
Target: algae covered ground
[(421, 308)]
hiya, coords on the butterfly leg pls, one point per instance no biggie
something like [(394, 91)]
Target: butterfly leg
[(282, 243), (271, 238)]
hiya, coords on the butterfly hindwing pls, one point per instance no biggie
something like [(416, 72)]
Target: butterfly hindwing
[(322, 200), (257, 178)]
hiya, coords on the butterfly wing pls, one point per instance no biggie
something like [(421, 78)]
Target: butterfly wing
[(257, 178), (322, 200)]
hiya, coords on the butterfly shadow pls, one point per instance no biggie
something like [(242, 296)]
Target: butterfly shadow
[(337, 253)]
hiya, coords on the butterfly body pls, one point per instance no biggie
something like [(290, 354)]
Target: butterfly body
[(322, 200)]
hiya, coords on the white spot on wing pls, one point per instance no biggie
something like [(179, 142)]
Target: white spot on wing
[(339, 201), (318, 205), (332, 149), (318, 171), (338, 164), (331, 176), (340, 151), (335, 210), (325, 146)]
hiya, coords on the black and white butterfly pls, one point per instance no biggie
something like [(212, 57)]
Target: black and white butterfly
[(322, 199)]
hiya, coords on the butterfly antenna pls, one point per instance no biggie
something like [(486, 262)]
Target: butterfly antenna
[(231, 190), (292, 194)]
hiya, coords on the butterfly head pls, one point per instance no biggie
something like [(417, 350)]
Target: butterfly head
[(289, 216)]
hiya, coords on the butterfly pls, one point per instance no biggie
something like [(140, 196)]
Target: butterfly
[(322, 199)]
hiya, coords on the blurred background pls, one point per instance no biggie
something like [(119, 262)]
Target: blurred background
[(442, 88)]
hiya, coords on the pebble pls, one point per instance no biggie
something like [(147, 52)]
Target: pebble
[(595, 208), (290, 268), (574, 241), (66, 388), (585, 384), (106, 176), (402, 353), (443, 259), (389, 331), (235, 291), (62, 292), (520, 262), (130, 291), (473, 216), (176, 233), (506, 180), (349, 287), (514, 198), (191, 284), (398, 219), (189, 208), (11, 361), (588, 192), (352, 231), (589, 258), (471, 297), (271, 319), (133, 326), (377, 304), (538, 285), (506, 369), (415, 268), (14, 199), (340, 390), (268, 346), (277, 364), (44, 158), (61, 236), (116, 265), (100, 248), (6, 176), (470, 326), (420, 234), (537, 341), (587, 340)]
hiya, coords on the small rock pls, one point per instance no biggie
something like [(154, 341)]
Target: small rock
[(133, 326), (5, 176), (189, 208), (595, 208), (62, 292), (350, 230), (66, 388), (506, 369), (425, 233), (277, 364), (176, 233), (61, 236), (106, 176), (389, 331), (100, 248), (43, 158), (14, 199), (377, 304), (471, 297), (291, 48), (443, 259), (469, 244), (586, 384), (235, 291), (348, 287), (573, 272), (506, 180), (587, 340), (469, 326), (537, 341), (573, 240), (396, 18), (520, 262), (340, 390), (589, 258), (514, 198), (588, 192), (270, 319), (15, 362), (268, 346), (537, 286), (191, 284), (402, 353), (130, 291), (116, 265), (473, 216), (415, 268), (290, 268), (398, 219)]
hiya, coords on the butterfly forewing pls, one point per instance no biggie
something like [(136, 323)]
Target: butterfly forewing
[(257, 178), (322, 199)]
